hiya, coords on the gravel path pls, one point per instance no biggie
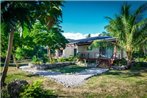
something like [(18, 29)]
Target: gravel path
[(68, 80)]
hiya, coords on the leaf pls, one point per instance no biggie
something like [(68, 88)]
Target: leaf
[(25, 31)]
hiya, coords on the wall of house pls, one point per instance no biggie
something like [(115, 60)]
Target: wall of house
[(82, 48), (69, 51), (121, 54), (94, 53)]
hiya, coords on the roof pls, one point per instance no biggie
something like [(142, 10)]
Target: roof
[(90, 39)]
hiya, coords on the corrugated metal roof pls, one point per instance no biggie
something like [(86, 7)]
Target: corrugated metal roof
[(90, 39)]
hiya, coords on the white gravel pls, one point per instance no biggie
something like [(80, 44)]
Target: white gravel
[(68, 80)]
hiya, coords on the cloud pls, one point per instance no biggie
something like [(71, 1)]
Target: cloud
[(72, 35)]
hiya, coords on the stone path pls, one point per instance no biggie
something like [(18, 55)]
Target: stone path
[(68, 80)]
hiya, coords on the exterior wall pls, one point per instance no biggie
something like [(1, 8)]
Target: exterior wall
[(69, 51), (94, 53), (121, 54), (82, 48)]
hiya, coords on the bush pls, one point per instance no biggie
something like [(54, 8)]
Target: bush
[(120, 62), (141, 59), (53, 60), (35, 90), (71, 58), (36, 60), (4, 93), (45, 59), (16, 87), (61, 59)]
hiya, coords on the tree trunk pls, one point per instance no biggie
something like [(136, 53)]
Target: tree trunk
[(15, 61), (49, 55), (114, 52), (5, 69), (129, 61)]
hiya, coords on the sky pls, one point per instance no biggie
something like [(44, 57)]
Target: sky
[(81, 18)]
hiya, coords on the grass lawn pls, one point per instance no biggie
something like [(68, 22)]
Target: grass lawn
[(113, 84)]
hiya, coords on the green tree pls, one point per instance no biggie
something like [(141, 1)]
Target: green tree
[(51, 38), (129, 28), (104, 34), (24, 14)]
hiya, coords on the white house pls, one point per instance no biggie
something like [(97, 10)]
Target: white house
[(81, 47)]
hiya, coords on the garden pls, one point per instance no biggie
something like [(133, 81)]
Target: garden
[(31, 32), (112, 84)]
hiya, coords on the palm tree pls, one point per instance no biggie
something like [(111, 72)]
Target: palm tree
[(24, 15), (130, 28)]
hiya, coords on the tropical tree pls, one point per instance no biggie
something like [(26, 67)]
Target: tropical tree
[(104, 34), (52, 38), (23, 15), (130, 28)]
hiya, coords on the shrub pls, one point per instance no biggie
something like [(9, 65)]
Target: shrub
[(35, 90), (4, 93), (61, 59), (120, 62), (53, 60), (45, 59), (71, 58), (141, 59), (16, 87), (36, 60)]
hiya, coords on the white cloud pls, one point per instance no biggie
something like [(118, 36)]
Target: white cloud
[(72, 35)]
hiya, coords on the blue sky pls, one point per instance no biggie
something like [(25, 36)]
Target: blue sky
[(84, 17)]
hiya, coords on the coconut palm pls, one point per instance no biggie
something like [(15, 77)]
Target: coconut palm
[(24, 14), (130, 28)]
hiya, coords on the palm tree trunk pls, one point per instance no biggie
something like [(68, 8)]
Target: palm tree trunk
[(129, 62), (5, 69), (115, 52)]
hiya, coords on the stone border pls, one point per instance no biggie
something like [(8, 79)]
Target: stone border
[(49, 66)]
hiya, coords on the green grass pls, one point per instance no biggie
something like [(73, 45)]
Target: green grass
[(112, 84), (69, 69)]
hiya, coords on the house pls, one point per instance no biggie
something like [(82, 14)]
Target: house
[(81, 48)]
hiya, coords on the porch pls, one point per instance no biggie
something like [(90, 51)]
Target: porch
[(100, 60)]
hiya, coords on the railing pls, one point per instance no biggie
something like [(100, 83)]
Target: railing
[(91, 55), (88, 55)]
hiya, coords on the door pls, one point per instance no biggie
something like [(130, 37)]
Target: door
[(75, 52)]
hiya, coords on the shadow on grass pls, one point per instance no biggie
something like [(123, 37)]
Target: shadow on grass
[(124, 74), (135, 71), (32, 75)]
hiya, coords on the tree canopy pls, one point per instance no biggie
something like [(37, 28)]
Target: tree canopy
[(129, 28), (15, 15)]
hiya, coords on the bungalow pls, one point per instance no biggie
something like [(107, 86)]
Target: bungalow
[(81, 47)]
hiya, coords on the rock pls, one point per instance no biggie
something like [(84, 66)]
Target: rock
[(69, 79), (16, 87), (48, 66), (119, 67)]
